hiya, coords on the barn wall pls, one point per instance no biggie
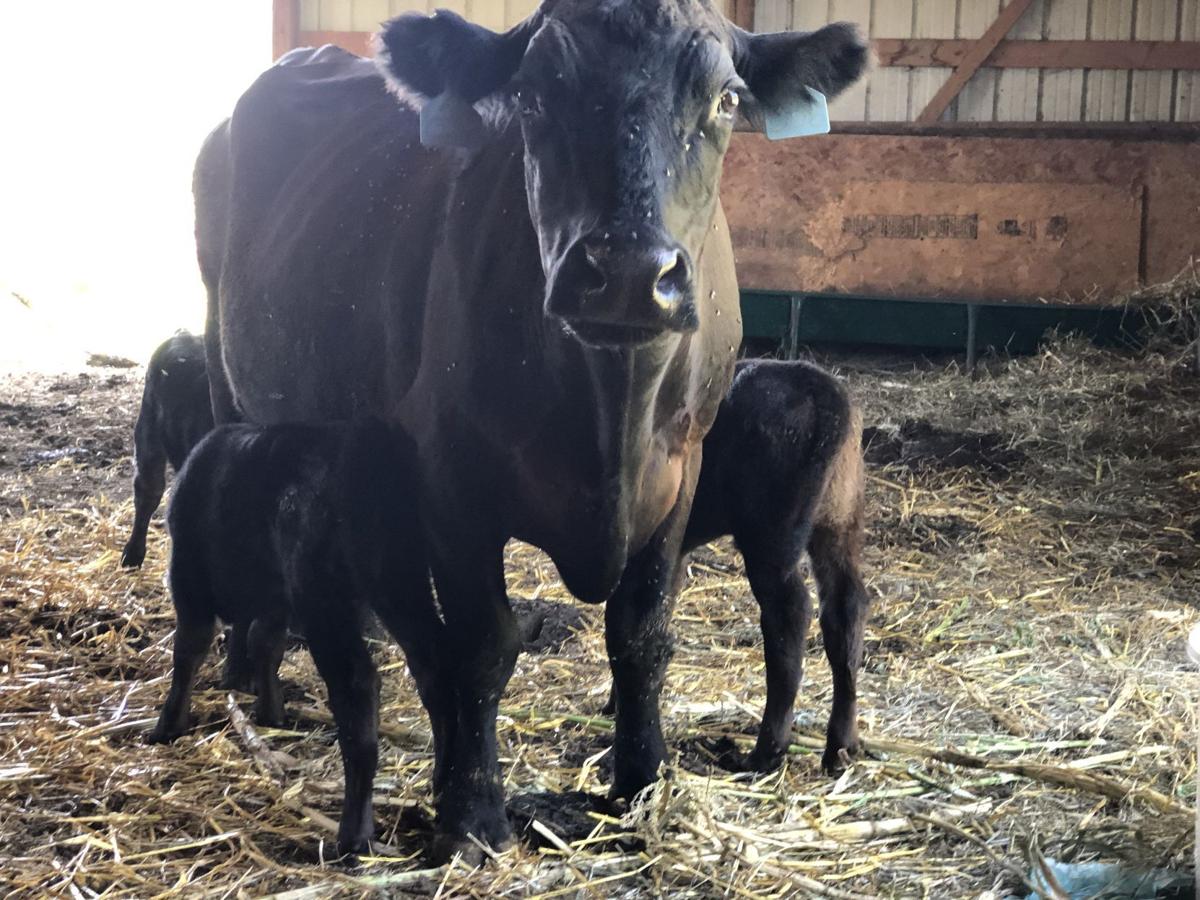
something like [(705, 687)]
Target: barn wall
[(1011, 95), (365, 15)]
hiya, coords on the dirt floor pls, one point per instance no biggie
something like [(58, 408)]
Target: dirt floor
[(1032, 556)]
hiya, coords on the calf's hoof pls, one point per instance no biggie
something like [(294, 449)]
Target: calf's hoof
[(268, 713), (764, 760), (493, 831), (236, 680), (133, 555), (161, 734), (837, 758)]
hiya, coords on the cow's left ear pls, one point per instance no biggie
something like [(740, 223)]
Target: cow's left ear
[(427, 55), (779, 68)]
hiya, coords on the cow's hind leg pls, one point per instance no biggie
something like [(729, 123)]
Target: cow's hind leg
[(345, 664), (785, 613), (149, 482), (844, 605)]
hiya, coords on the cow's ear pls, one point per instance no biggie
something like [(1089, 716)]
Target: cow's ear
[(780, 68), (429, 55)]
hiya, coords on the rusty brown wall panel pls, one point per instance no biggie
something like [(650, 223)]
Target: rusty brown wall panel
[(883, 215)]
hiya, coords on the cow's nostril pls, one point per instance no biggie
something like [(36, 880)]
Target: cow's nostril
[(671, 286), (592, 276)]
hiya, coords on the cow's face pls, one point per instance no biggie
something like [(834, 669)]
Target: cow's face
[(625, 108)]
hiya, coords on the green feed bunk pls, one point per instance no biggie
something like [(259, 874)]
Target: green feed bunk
[(1015, 329)]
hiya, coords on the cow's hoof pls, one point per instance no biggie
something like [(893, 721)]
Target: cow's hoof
[(132, 556)]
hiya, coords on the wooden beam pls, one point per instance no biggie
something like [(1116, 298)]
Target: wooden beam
[(285, 26), (1124, 55), (974, 58)]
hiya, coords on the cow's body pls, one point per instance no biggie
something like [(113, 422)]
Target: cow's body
[(307, 524), (552, 315), (175, 414)]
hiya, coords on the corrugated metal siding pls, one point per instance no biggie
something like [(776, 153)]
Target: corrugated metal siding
[(1010, 95)]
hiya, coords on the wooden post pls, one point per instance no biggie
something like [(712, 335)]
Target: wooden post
[(285, 26), (974, 58), (741, 13)]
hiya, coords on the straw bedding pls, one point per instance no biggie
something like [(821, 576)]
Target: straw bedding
[(1032, 557)]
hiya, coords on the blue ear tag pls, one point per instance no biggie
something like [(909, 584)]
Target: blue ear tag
[(448, 120), (804, 116)]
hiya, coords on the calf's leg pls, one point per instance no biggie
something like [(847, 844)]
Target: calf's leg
[(844, 605), (266, 641), (345, 664), (193, 636), (149, 482), (785, 613), (238, 674)]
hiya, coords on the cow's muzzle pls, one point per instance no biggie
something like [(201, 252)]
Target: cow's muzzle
[(611, 294)]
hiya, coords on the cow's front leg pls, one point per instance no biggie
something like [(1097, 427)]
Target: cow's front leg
[(480, 645), (637, 622)]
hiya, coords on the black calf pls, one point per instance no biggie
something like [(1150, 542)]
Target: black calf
[(783, 474), (305, 523), (175, 415)]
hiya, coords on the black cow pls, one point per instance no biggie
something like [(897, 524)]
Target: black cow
[(174, 416), (306, 523), (783, 474), (550, 309)]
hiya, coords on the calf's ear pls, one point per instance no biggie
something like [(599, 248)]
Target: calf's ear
[(430, 55), (780, 68)]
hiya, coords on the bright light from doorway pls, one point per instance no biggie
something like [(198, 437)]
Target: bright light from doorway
[(105, 106)]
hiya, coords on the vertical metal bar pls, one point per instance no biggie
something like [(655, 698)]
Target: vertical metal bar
[(793, 342), (972, 337)]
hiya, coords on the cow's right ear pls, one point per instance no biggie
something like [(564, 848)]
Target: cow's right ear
[(444, 53)]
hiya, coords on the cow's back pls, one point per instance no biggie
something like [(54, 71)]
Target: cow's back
[(331, 224)]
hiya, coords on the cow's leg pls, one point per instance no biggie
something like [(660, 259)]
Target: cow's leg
[(224, 408), (266, 641), (481, 644), (194, 628), (149, 482), (844, 604), (637, 636), (238, 674), (785, 613), (345, 664)]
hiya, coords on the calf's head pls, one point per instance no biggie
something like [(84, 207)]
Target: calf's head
[(625, 108)]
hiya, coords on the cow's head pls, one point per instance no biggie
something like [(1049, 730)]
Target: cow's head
[(625, 108)]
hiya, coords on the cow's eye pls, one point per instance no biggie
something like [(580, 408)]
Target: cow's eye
[(529, 103), (727, 103)]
